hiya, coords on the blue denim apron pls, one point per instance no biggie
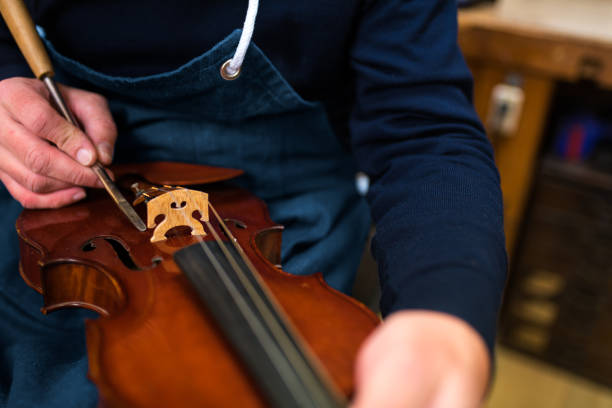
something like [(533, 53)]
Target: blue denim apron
[(257, 123)]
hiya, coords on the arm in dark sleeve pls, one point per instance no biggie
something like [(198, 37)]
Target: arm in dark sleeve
[(435, 193)]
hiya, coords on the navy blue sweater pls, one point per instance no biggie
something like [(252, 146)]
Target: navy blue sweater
[(397, 92)]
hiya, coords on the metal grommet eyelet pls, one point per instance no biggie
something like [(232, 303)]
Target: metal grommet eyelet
[(226, 75)]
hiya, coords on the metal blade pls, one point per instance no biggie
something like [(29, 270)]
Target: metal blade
[(116, 195)]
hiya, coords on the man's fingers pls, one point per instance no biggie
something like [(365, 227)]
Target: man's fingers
[(43, 159), (37, 173), (30, 181), (422, 359), (381, 392), (29, 199), (457, 392), (393, 379), (92, 111), (27, 103)]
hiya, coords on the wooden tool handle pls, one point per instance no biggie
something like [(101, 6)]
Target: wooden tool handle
[(22, 28)]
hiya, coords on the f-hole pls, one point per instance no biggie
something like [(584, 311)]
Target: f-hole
[(122, 253), (237, 223)]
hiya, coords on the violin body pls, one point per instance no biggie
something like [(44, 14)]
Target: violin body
[(154, 343)]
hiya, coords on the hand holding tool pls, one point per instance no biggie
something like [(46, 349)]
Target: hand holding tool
[(22, 28)]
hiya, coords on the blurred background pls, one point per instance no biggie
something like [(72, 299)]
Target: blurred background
[(543, 88)]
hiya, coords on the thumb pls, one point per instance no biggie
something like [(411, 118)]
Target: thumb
[(93, 112)]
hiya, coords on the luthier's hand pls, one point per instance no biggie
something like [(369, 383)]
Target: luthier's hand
[(35, 172), (422, 359)]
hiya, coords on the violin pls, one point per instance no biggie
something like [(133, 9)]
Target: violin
[(195, 311)]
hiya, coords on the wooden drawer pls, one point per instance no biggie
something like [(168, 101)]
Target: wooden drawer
[(559, 298)]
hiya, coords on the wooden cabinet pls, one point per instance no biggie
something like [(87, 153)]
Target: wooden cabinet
[(558, 302), (541, 42)]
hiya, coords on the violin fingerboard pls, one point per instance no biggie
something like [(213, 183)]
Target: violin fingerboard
[(250, 322)]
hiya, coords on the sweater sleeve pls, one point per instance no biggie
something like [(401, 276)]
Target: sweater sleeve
[(434, 192)]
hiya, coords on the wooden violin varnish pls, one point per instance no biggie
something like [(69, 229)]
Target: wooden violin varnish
[(193, 319)]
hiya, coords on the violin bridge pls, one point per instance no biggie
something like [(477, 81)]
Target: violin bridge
[(178, 208)]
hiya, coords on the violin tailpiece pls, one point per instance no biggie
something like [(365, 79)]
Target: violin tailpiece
[(178, 208)]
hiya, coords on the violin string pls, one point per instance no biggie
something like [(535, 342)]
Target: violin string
[(289, 373), (273, 314), (276, 356), (257, 328)]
